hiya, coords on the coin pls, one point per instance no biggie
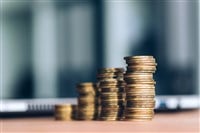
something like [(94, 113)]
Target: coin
[(115, 89), (111, 84), (140, 88), (111, 70), (63, 112), (87, 101)]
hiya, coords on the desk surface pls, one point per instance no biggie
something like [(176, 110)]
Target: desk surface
[(185, 121)]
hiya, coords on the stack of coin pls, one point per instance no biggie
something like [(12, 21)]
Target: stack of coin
[(140, 88), (111, 86), (64, 112), (86, 101)]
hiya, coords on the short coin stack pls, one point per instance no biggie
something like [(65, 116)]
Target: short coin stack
[(86, 101), (140, 89), (111, 86), (64, 112)]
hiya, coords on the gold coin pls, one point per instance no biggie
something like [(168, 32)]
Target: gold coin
[(108, 119), (116, 89), (86, 84), (139, 57), (145, 91), (110, 108), (86, 92), (63, 112), (111, 70), (114, 114), (64, 107), (138, 98), (140, 86), (135, 90), (132, 94), (109, 81), (136, 119), (86, 118), (139, 110), (139, 116), (112, 84), (113, 104), (109, 75), (143, 96), (138, 75), (141, 69), (140, 105), (146, 63), (141, 66), (139, 81), (86, 100), (141, 101)]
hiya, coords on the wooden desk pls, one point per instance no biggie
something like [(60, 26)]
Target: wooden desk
[(185, 121)]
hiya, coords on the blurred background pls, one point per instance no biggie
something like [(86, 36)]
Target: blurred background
[(47, 46)]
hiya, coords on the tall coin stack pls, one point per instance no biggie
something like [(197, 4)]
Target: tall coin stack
[(112, 97), (140, 88), (86, 101)]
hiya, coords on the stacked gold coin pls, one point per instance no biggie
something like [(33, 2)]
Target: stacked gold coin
[(86, 101), (63, 112), (140, 87), (111, 86)]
